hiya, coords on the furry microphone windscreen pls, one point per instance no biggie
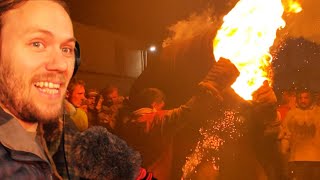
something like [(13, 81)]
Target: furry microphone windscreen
[(98, 154)]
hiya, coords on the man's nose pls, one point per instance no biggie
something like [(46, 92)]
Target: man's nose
[(58, 62)]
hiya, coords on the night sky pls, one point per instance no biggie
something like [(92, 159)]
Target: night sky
[(297, 65), (148, 21)]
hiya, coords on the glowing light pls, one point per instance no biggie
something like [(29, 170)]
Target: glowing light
[(152, 48)]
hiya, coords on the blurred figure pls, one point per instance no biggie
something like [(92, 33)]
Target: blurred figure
[(94, 104), (266, 132), (287, 102), (300, 138), (239, 142), (111, 104), (317, 98), (75, 100), (111, 96), (151, 129)]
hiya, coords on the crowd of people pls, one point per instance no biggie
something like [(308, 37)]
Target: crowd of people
[(286, 142), (141, 120), (53, 127)]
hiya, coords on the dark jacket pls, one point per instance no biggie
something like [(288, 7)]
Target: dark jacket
[(22, 156), (59, 136)]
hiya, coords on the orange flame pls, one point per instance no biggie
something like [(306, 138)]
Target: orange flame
[(248, 32), (293, 7)]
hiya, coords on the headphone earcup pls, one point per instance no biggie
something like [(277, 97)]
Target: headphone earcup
[(77, 58)]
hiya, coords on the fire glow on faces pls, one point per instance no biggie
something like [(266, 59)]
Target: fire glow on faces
[(36, 60), (248, 32)]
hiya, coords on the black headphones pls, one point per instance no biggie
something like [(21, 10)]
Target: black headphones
[(77, 58)]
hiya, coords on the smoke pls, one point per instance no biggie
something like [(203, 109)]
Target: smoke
[(196, 25), (305, 24), (209, 20)]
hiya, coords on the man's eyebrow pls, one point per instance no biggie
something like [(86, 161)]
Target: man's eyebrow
[(37, 30), (72, 39), (43, 31)]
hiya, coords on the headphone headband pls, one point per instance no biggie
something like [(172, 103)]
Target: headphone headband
[(77, 58)]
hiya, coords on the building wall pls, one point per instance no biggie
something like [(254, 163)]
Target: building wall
[(107, 57)]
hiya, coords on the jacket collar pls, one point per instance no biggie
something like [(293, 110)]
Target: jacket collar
[(14, 137)]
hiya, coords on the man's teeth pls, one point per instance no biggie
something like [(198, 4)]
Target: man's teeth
[(47, 85), (49, 91)]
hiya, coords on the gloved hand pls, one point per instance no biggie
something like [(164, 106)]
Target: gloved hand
[(221, 75), (264, 95)]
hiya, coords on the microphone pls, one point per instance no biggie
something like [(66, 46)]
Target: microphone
[(98, 154)]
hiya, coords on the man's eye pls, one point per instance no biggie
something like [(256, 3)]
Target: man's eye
[(67, 51), (37, 44)]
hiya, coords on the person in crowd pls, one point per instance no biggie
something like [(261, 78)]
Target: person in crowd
[(300, 138), (288, 101), (111, 104), (75, 104), (239, 142), (150, 129), (37, 60), (94, 105), (76, 93)]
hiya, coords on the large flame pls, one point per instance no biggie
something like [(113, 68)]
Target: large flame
[(293, 6), (248, 32)]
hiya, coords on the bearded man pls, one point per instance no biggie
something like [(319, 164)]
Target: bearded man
[(36, 64)]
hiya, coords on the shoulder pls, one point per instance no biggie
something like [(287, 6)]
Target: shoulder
[(4, 163), (8, 167), (317, 108)]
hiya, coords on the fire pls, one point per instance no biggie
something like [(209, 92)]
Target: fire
[(248, 32), (293, 6)]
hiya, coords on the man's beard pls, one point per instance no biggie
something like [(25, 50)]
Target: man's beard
[(15, 97), (304, 105)]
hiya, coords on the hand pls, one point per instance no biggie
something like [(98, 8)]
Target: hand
[(264, 95), (222, 74)]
